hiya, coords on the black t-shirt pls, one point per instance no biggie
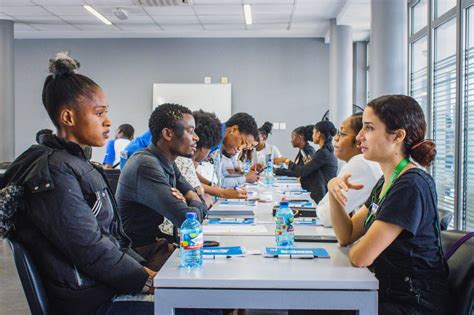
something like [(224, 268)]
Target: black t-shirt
[(410, 204)]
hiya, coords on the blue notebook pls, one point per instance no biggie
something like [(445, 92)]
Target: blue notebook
[(248, 221), (237, 202), (230, 213), (295, 252), (307, 221), (223, 251)]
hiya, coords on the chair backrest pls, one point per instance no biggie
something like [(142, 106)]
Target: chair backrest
[(461, 271), (445, 218), (30, 280), (112, 176)]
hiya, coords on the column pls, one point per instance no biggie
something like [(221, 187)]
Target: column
[(388, 47), (359, 95), (7, 97), (340, 72)]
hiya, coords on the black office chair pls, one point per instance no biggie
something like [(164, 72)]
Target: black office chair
[(461, 272), (445, 218), (30, 280), (112, 176)]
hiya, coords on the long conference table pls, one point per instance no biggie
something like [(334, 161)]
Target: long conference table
[(256, 282)]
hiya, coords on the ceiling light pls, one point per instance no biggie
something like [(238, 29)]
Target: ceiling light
[(248, 14), (97, 14)]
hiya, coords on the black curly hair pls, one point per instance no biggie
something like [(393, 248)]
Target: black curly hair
[(208, 129), (266, 129), (245, 122), (167, 116)]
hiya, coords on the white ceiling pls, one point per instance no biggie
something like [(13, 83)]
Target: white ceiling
[(204, 18)]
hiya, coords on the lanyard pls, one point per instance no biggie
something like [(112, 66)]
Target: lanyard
[(396, 172)]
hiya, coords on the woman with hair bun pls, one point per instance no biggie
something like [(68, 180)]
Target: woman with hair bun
[(68, 220), (316, 173), (263, 148), (397, 230), (300, 138)]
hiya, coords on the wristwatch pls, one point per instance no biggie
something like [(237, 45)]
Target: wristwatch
[(148, 285)]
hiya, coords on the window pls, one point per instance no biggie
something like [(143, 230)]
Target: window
[(443, 109), (419, 72), (468, 130), (443, 6), (419, 16)]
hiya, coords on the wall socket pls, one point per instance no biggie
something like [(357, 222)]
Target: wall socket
[(207, 80)]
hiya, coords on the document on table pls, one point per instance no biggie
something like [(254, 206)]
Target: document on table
[(234, 229)]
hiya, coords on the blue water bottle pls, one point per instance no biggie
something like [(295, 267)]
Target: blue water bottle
[(268, 173), (191, 241), (284, 230), (246, 167)]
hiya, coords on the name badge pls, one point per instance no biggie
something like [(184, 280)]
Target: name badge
[(373, 208)]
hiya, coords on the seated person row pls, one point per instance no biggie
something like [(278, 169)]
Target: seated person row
[(151, 187), (347, 149), (68, 220), (300, 138), (396, 233), (315, 174)]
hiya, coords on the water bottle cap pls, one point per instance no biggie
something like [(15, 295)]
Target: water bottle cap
[(284, 204), (191, 215)]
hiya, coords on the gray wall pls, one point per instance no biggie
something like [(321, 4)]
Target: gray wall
[(280, 80)]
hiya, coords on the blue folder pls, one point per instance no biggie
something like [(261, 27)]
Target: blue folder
[(295, 252)]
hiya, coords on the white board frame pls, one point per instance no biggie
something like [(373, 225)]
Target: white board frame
[(215, 98)]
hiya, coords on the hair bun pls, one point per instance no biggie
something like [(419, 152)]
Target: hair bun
[(267, 127), (63, 64), (308, 132), (424, 153)]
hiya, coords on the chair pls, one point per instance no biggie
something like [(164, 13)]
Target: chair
[(445, 218), (461, 272), (112, 176), (30, 280)]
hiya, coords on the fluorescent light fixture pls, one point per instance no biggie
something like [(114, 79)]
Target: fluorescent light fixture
[(97, 14), (248, 14)]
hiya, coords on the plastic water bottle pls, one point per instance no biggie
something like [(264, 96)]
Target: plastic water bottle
[(268, 174), (246, 167), (284, 230), (191, 241)]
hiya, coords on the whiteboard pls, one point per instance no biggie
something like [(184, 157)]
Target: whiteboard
[(214, 98)]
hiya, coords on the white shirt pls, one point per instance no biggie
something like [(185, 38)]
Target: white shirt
[(268, 150), (119, 146), (187, 169), (363, 172)]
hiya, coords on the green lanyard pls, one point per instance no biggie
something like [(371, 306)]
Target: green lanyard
[(396, 172)]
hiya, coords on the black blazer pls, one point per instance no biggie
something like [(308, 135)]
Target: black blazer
[(299, 160)]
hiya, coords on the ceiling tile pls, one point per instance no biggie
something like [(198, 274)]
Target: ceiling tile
[(59, 2), (229, 9), (271, 18), (282, 26), (24, 10), (139, 19), (15, 2), (40, 19), (131, 10), (221, 19), (184, 19), (224, 27), (84, 19), (270, 1), (192, 27), (271, 9), (109, 2), (181, 10), (218, 2), (67, 10)]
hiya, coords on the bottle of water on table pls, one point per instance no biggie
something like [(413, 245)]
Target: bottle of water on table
[(191, 241), (268, 172), (284, 230)]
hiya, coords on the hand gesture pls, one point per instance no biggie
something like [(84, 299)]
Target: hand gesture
[(339, 185)]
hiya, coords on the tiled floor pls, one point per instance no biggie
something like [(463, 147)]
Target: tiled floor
[(12, 298)]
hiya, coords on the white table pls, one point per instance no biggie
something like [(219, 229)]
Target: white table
[(255, 282)]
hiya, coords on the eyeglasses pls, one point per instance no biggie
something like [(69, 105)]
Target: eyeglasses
[(341, 134)]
